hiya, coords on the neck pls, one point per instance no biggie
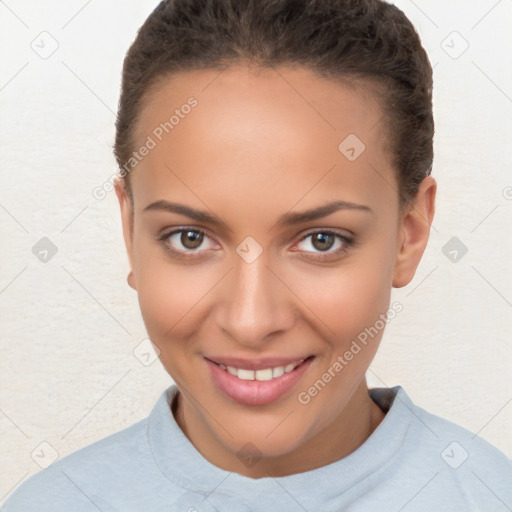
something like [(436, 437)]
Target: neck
[(349, 430)]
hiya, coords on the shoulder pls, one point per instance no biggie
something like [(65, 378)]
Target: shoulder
[(75, 481), (462, 444), (118, 472), (455, 463)]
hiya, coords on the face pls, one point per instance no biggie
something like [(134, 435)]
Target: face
[(266, 237)]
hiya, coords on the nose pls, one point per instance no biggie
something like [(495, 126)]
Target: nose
[(256, 305)]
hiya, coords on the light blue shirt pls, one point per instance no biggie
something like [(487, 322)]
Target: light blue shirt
[(413, 461)]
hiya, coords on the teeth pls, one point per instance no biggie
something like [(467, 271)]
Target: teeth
[(246, 374), (265, 374), (277, 372)]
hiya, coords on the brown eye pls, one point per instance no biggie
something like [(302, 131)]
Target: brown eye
[(325, 245), (322, 241), (191, 239), (187, 242)]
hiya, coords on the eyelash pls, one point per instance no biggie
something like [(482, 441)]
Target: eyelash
[(321, 256)]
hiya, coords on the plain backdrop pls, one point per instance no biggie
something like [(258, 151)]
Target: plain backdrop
[(74, 366)]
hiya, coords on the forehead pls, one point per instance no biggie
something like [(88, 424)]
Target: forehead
[(268, 95), (255, 127)]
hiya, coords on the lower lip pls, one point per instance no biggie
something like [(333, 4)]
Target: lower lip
[(256, 392)]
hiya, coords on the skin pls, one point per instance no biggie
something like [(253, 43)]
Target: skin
[(252, 150)]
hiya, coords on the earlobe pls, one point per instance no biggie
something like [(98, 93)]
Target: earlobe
[(127, 223), (130, 280), (415, 229)]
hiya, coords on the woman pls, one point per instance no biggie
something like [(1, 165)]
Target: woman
[(274, 186)]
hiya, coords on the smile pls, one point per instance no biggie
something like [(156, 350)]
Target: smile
[(257, 382), (265, 374)]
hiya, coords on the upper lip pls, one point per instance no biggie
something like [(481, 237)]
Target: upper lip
[(257, 363)]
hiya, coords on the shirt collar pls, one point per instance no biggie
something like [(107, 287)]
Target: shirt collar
[(181, 463)]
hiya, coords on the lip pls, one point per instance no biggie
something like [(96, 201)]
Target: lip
[(254, 392)]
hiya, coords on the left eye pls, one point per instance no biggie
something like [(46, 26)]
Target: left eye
[(189, 239), (324, 241)]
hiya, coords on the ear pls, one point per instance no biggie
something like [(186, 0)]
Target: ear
[(127, 221), (415, 223)]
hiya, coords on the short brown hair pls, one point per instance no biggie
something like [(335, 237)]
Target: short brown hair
[(369, 40)]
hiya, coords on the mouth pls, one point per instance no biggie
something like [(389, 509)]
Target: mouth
[(257, 382), (266, 373)]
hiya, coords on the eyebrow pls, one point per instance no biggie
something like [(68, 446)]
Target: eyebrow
[(320, 212), (287, 219)]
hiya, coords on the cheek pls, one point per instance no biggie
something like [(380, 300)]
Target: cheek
[(350, 301), (346, 299), (170, 300)]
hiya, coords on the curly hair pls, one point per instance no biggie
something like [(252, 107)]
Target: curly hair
[(346, 40)]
